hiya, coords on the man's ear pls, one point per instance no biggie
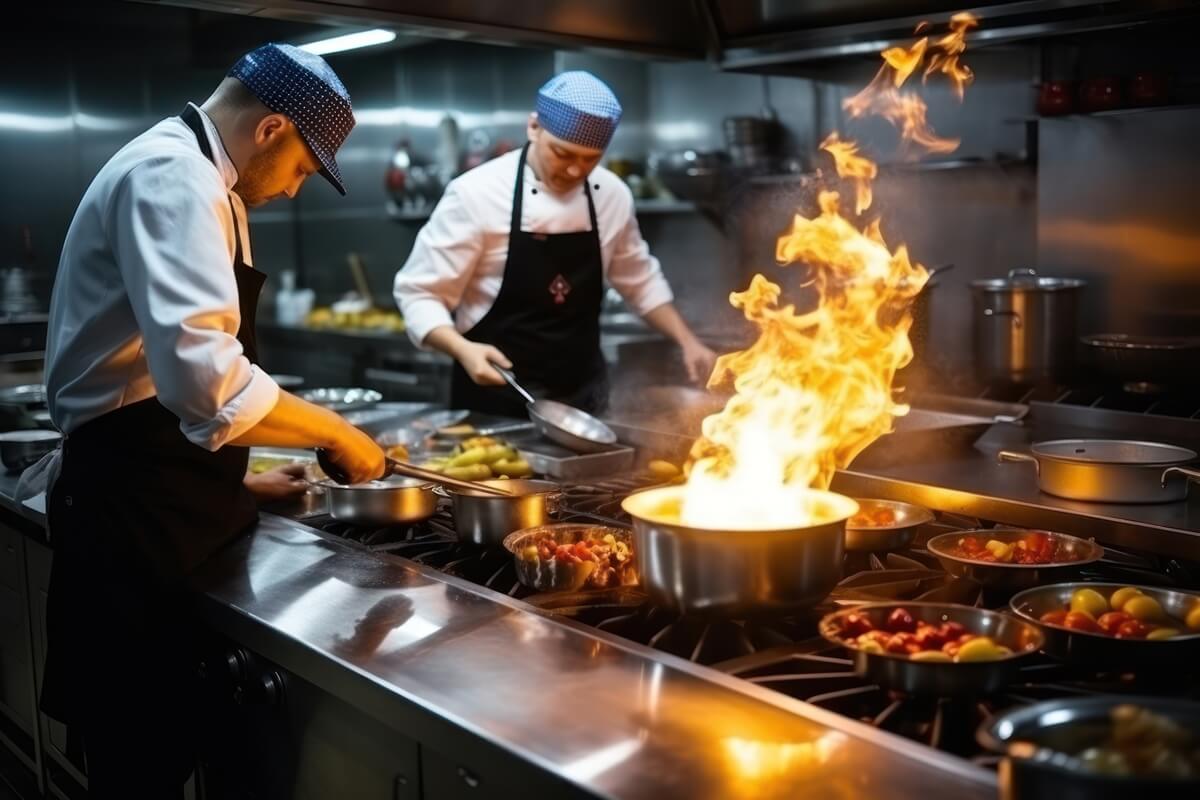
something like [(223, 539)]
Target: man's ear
[(532, 127), (270, 128)]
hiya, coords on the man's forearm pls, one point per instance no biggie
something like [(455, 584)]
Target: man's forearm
[(292, 423), (666, 320), (446, 339)]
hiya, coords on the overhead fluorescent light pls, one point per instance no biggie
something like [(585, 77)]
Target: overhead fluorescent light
[(349, 41)]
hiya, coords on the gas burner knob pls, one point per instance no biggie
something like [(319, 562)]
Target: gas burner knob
[(265, 689), (230, 665)]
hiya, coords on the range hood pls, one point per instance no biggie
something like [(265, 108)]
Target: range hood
[(743, 35)]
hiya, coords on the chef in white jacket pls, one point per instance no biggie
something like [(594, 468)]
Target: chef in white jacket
[(511, 267)]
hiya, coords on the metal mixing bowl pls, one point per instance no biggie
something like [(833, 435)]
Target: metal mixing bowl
[(22, 449)]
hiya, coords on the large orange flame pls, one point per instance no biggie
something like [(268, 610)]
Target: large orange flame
[(816, 388), (906, 110)]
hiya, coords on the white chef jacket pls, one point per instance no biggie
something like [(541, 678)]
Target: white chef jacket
[(457, 262), (145, 301)]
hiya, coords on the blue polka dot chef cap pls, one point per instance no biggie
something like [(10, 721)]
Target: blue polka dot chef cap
[(579, 108), (303, 87)]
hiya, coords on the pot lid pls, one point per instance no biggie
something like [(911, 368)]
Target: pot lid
[(1027, 280), (1114, 451)]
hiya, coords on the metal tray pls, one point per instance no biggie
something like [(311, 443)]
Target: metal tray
[(548, 458)]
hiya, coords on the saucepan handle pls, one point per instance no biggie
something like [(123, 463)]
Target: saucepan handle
[(1016, 318), (1013, 456), (1188, 474)]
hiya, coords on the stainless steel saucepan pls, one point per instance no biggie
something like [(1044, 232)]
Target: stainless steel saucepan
[(572, 428), (736, 572), (395, 500), (1109, 470), (485, 519)]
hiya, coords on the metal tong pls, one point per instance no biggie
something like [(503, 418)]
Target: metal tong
[(395, 467)]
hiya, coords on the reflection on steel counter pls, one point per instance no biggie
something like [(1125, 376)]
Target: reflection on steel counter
[(786, 654)]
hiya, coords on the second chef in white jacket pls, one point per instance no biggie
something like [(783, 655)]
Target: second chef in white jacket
[(512, 265)]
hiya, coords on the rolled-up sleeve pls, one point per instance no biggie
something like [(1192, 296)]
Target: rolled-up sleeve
[(634, 272), (431, 283), (172, 243)]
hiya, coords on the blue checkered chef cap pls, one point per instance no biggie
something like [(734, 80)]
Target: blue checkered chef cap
[(303, 87), (579, 108)]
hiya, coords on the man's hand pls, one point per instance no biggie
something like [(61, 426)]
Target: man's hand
[(276, 484), (355, 453), (477, 360), (699, 361)]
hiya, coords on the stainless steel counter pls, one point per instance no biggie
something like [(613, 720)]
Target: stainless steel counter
[(613, 718), (972, 482), (568, 709)]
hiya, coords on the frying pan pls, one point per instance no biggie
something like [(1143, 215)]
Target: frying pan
[(894, 671), (572, 428), (1102, 651)]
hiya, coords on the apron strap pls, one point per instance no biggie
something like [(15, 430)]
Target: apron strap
[(519, 196), (191, 118)]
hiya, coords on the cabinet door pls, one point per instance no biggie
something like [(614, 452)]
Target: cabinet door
[(38, 559), (17, 697)]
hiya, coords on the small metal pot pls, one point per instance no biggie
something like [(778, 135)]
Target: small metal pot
[(895, 671), (394, 500), (1108, 470), (735, 572), (1026, 327), (1012, 577), (899, 534), (486, 519), (22, 449), (1100, 650), (1041, 742)]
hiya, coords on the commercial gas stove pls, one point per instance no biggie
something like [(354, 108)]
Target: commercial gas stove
[(786, 654)]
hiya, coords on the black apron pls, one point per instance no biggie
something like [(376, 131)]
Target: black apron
[(135, 508), (546, 318)]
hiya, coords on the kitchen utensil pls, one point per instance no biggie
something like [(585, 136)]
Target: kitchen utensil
[(359, 274), (22, 449), (564, 576), (572, 428), (736, 572), (30, 395), (1025, 326), (693, 175), (288, 382), (413, 441), (1107, 470), (555, 461), (897, 534), (395, 500), (1098, 650), (1041, 743), (1139, 362), (395, 467), (1011, 577), (341, 398), (484, 519), (437, 420), (900, 672), (922, 313)]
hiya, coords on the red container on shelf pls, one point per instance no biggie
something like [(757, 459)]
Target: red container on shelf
[(1100, 94), (1056, 98), (1148, 88)]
